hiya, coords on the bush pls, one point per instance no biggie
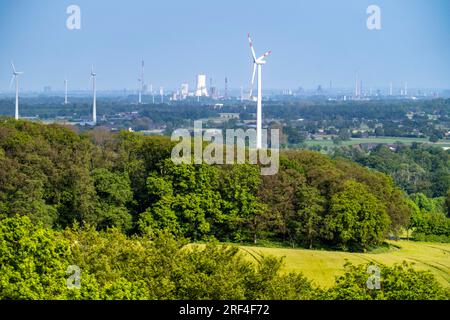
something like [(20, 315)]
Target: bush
[(399, 282), (431, 238)]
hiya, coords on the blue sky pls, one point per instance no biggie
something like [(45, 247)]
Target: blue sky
[(313, 42)]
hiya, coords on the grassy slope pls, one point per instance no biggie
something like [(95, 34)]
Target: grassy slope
[(323, 266)]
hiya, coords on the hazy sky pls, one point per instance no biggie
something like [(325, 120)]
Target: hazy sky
[(313, 42)]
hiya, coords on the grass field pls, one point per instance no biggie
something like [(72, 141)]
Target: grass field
[(322, 266), (384, 140)]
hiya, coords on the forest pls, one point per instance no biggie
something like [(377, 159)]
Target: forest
[(115, 205), (423, 172)]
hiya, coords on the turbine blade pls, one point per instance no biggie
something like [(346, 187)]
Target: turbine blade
[(254, 73), (251, 46), (253, 80), (13, 67), (12, 80), (265, 55)]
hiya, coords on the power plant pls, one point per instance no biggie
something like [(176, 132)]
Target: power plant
[(201, 90)]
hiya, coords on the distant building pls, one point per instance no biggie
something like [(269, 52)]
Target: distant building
[(184, 90), (201, 86)]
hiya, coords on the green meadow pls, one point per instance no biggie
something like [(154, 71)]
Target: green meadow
[(323, 266)]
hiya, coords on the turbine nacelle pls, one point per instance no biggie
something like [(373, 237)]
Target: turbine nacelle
[(15, 72), (93, 74)]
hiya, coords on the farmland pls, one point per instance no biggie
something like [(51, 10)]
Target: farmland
[(322, 266)]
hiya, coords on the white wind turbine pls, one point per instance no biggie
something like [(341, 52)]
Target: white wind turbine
[(15, 77), (94, 92), (141, 82), (161, 93), (257, 63), (153, 94), (65, 90)]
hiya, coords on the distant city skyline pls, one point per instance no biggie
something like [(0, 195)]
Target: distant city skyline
[(313, 43)]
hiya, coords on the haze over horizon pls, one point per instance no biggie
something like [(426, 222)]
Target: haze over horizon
[(312, 43)]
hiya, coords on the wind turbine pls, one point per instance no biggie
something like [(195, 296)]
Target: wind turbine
[(15, 77), (257, 64), (153, 94), (141, 82), (65, 90), (94, 103)]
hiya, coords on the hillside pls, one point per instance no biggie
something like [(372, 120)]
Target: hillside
[(323, 266), (117, 207)]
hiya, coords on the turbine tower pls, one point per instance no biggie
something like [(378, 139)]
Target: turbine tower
[(94, 94), (161, 93), (153, 94), (65, 90), (15, 77), (257, 64), (141, 82), (226, 89)]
